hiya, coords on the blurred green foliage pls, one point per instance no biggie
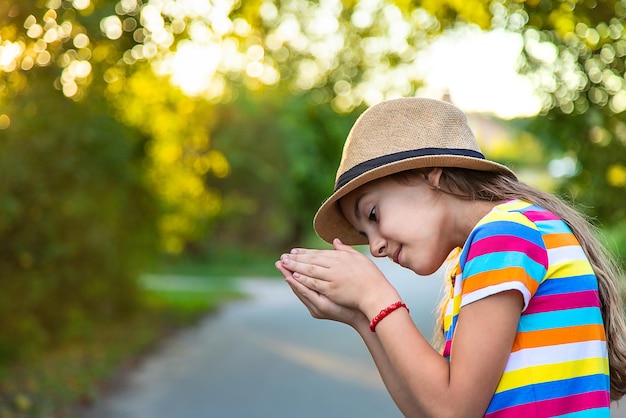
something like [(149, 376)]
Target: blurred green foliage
[(76, 221), (597, 139), (108, 156), (283, 151)]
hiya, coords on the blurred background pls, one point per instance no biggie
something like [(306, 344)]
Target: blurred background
[(196, 137)]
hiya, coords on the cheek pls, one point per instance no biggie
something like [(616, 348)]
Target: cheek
[(428, 244)]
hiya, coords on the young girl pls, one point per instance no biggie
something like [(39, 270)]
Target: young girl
[(534, 324)]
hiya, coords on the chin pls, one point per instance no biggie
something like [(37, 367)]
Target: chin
[(424, 270)]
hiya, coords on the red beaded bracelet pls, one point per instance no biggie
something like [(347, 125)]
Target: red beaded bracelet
[(382, 314)]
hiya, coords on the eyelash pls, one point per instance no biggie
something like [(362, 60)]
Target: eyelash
[(372, 216)]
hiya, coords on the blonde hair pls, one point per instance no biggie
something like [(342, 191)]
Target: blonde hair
[(478, 185)]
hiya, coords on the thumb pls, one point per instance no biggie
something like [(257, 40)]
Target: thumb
[(338, 245)]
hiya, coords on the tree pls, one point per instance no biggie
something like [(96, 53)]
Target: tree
[(283, 151), (71, 188), (70, 192)]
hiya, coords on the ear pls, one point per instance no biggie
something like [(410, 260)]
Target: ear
[(434, 176)]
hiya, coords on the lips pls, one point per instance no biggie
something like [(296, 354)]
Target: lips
[(396, 256)]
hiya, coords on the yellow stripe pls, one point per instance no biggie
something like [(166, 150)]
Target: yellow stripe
[(551, 372), (452, 311), (515, 205), (507, 216), (569, 268)]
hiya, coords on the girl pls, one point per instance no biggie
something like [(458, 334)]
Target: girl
[(534, 323)]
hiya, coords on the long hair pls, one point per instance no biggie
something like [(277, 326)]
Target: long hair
[(478, 185)]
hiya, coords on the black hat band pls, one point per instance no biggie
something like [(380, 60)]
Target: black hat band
[(374, 163)]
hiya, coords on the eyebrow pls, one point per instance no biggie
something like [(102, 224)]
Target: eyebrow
[(356, 205)]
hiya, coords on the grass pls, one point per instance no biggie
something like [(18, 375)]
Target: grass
[(65, 379)]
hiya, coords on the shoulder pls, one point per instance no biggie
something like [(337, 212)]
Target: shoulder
[(506, 229), (505, 251)]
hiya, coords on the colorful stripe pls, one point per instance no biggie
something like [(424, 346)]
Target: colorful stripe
[(553, 354), (558, 365), (559, 302), (557, 407), (548, 337), (545, 391)]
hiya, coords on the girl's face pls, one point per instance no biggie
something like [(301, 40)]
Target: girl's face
[(405, 221)]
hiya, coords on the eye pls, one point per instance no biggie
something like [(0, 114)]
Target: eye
[(373, 216)]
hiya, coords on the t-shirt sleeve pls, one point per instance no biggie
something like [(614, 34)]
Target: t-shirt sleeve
[(504, 252)]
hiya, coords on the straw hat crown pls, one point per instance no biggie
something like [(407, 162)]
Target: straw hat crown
[(403, 124), (393, 136)]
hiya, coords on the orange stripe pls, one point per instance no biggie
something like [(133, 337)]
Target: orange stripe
[(559, 240), (557, 336), (494, 277)]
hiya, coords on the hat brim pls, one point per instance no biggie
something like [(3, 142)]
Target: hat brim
[(330, 223)]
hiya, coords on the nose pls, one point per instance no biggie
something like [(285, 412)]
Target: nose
[(378, 246)]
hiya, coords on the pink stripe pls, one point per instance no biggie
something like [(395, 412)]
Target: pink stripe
[(501, 243), (584, 299), (447, 348), (556, 407), (535, 215)]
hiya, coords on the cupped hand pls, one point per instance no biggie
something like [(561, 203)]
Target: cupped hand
[(319, 306), (343, 275)]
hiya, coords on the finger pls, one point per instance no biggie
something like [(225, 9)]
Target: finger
[(305, 268), (322, 258), (279, 266), (314, 284), (305, 295), (299, 289), (340, 246)]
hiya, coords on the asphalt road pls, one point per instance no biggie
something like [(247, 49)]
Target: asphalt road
[(266, 357)]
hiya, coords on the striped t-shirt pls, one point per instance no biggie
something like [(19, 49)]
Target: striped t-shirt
[(558, 364)]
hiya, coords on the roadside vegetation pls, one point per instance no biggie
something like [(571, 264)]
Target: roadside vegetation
[(67, 378)]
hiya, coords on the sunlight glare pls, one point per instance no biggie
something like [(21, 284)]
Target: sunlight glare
[(9, 52), (193, 66), (479, 71)]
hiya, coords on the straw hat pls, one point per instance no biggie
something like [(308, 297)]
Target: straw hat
[(393, 136)]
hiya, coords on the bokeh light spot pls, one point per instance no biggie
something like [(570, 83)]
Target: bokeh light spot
[(81, 40), (5, 121), (618, 102), (81, 4), (616, 175), (111, 27)]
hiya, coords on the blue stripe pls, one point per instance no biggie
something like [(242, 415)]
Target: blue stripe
[(503, 260), (553, 227), (555, 286), (449, 332), (589, 413), (512, 228), (549, 390), (560, 319)]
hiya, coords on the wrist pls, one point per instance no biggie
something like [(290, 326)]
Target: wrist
[(380, 300), (361, 323), (386, 312)]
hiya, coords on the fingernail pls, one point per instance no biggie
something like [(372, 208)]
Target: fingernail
[(285, 259), (294, 251)]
